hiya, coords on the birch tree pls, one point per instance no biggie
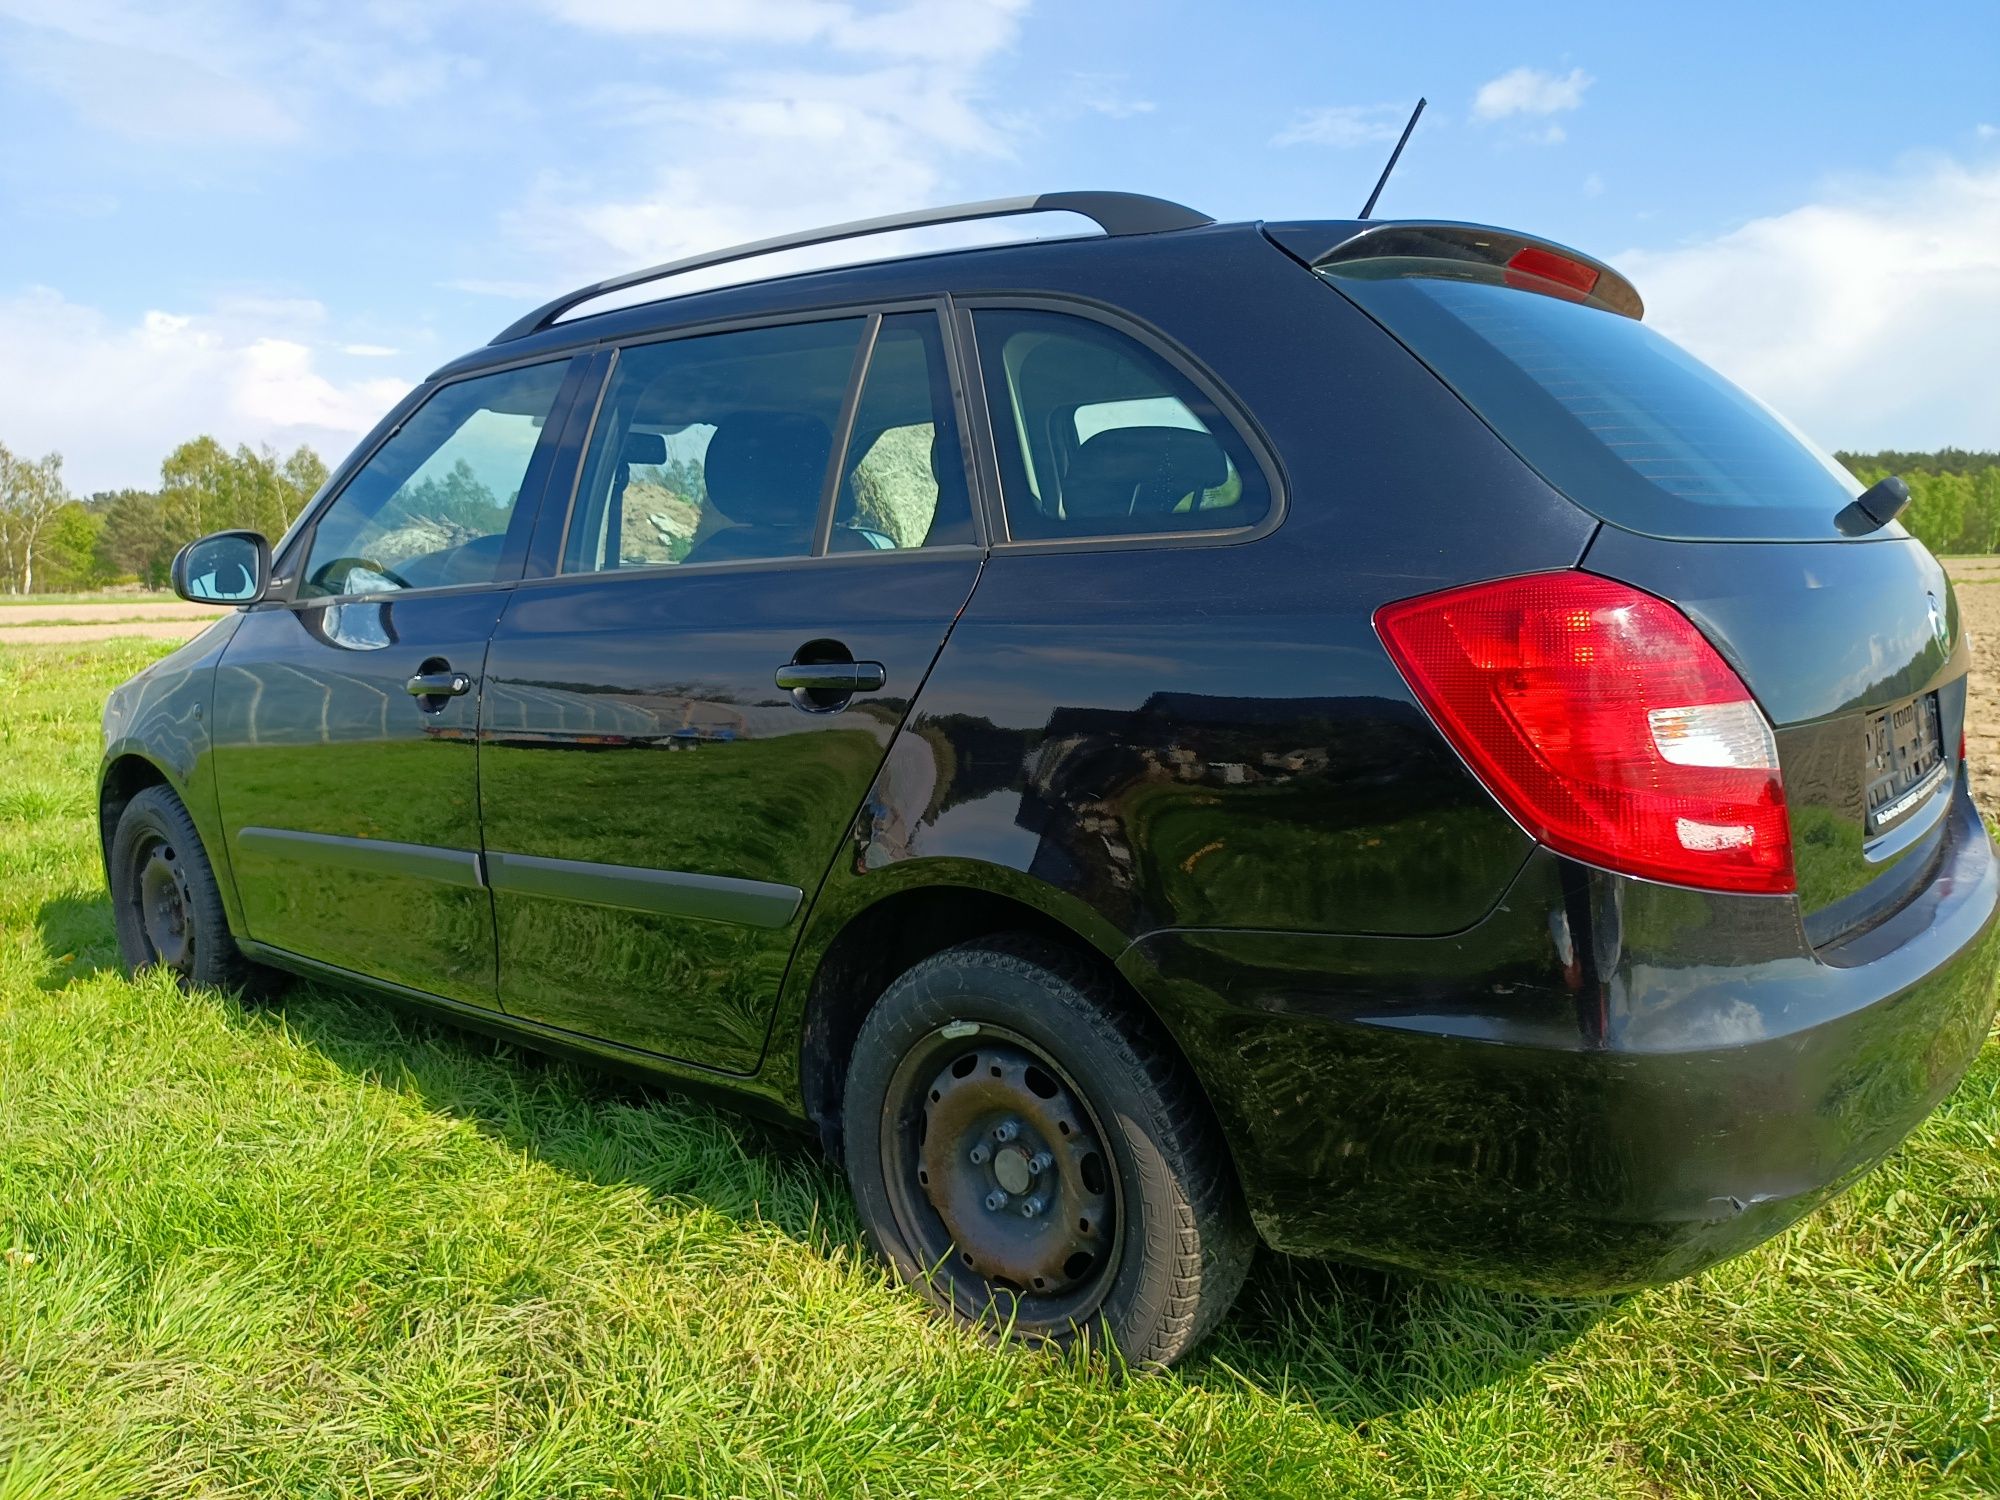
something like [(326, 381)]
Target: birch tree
[(31, 495)]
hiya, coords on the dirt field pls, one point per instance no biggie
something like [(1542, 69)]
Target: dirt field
[(1977, 582), (161, 618)]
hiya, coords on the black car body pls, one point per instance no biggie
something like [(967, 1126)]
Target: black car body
[(1168, 739)]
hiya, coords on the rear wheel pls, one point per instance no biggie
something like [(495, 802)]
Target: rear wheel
[(167, 907), (1038, 1159)]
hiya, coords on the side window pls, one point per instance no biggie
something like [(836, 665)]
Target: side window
[(1098, 436), (712, 448), (433, 504), (903, 481)]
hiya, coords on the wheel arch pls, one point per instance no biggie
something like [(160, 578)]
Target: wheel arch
[(886, 922), (125, 774), (129, 767)]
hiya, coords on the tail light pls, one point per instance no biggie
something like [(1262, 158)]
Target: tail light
[(1605, 723), (1534, 268)]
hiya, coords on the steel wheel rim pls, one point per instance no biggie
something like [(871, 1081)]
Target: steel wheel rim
[(163, 904), (961, 1181)]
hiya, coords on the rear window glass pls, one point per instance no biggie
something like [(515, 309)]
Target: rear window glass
[(1621, 420)]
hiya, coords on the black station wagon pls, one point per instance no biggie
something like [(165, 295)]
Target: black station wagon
[(1324, 732)]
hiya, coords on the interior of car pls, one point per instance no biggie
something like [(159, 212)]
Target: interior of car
[(1107, 438), (716, 448)]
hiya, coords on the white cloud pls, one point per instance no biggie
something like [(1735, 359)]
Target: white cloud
[(487, 286), (1529, 91), (225, 71), (114, 398), (1593, 186), (1986, 132), (935, 30), (776, 21), (1869, 318), (1343, 125), (1105, 94), (877, 109), (369, 351), (150, 95)]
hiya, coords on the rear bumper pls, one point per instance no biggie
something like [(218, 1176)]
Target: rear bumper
[(1605, 1084)]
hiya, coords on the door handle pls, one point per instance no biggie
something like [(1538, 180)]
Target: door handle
[(831, 676), (441, 684)]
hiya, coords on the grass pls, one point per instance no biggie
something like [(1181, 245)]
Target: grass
[(321, 1248)]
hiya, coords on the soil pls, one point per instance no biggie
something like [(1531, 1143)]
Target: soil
[(1976, 580), (162, 618)]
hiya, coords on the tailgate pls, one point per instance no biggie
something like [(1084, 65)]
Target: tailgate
[(1855, 653)]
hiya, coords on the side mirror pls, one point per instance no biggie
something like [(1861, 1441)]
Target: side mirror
[(228, 567)]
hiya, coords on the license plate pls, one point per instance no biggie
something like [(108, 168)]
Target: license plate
[(1905, 759)]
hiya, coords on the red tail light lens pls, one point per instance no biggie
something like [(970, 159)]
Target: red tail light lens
[(1605, 723)]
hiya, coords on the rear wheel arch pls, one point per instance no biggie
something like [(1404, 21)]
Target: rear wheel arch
[(878, 943)]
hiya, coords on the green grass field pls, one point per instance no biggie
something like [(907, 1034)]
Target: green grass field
[(319, 1248)]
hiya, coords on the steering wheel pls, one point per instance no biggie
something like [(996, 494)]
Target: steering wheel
[(340, 567)]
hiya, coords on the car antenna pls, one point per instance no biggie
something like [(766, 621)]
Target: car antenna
[(1394, 156)]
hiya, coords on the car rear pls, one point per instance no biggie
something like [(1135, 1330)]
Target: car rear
[(1756, 942)]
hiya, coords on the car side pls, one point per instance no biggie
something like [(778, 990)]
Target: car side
[(1072, 857)]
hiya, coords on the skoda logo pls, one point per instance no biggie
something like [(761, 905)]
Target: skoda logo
[(1937, 621)]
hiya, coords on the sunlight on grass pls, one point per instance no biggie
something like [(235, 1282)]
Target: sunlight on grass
[(319, 1247)]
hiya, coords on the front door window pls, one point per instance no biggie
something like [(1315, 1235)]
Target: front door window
[(434, 504)]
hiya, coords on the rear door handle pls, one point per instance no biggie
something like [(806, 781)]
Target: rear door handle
[(445, 684), (831, 676)]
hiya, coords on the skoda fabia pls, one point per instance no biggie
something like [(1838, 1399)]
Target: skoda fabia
[(1328, 733)]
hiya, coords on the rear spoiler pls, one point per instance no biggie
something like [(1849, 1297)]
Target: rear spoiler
[(1469, 251)]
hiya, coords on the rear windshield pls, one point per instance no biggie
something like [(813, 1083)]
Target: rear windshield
[(1629, 426)]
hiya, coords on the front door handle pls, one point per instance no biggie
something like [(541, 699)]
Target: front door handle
[(832, 676), (441, 684)]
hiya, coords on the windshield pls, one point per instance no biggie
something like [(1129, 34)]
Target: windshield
[(1621, 420)]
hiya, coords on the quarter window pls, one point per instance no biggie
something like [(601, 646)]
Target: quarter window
[(1098, 436), (432, 506)]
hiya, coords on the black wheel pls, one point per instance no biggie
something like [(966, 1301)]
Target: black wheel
[(1038, 1159), (163, 893)]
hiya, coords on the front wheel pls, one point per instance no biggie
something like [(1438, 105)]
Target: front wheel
[(1037, 1159), (167, 907)]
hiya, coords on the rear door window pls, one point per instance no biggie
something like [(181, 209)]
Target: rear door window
[(903, 482), (1098, 436), (713, 448), (1623, 421)]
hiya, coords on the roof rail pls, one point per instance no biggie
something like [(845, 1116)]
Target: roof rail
[(1114, 213)]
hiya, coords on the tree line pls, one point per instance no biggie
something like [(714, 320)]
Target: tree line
[(54, 542)]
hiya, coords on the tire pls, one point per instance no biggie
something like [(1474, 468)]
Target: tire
[(167, 907), (1038, 1160)]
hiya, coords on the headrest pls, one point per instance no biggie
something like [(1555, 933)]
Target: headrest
[(644, 448), (765, 468), (1132, 471)]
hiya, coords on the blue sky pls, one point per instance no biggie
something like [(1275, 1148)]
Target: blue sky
[(266, 221)]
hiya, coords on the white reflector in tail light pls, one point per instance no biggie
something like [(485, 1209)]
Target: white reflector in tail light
[(1715, 734), (1605, 723)]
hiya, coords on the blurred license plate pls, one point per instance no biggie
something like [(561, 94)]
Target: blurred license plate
[(1905, 759)]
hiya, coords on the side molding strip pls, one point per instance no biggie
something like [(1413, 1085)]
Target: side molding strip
[(458, 867), (670, 893)]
